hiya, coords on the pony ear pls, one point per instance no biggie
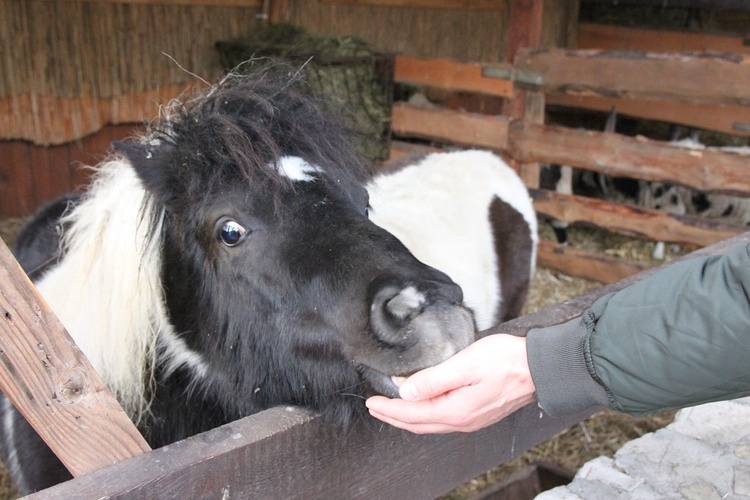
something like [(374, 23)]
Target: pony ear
[(151, 164)]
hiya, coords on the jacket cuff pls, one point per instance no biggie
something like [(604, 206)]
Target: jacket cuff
[(558, 368)]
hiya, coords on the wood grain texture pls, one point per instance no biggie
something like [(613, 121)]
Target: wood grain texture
[(634, 157), (451, 75), (633, 220), (714, 78), (452, 126), (50, 381)]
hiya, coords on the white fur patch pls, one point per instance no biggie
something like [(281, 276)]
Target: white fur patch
[(9, 431), (439, 209), (296, 168), (107, 291)]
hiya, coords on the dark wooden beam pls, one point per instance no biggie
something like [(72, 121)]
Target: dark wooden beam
[(685, 4)]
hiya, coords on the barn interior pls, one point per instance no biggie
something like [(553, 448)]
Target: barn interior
[(534, 81)]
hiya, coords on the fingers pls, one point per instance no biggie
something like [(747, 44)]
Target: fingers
[(420, 417), (434, 381)]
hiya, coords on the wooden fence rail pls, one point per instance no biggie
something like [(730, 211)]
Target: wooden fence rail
[(619, 77), (52, 383)]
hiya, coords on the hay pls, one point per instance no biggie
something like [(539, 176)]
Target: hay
[(355, 80), (9, 228)]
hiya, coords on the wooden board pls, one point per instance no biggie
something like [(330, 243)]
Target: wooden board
[(634, 157), (632, 220), (428, 4), (451, 75), (608, 37), (698, 77), (704, 4), (584, 264), (725, 118), (453, 126), (213, 3), (52, 383)]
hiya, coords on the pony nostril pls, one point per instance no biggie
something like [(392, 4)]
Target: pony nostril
[(406, 304), (392, 309)]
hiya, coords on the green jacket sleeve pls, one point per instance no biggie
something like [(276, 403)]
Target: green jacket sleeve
[(678, 338)]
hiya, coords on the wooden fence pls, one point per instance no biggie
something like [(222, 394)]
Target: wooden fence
[(716, 81)]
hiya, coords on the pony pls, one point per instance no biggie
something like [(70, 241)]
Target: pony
[(223, 263), (468, 214)]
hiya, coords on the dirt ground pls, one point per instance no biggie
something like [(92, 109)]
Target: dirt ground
[(602, 434)]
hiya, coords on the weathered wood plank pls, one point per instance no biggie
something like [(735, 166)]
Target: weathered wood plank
[(584, 264), (452, 126), (525, 30), (428, 4), (635, 157), (213, 3), (701, 4), (689, 77), (451, 75), (53, 385), (723, 118), (609, 37), (292, 453), (632, 220)]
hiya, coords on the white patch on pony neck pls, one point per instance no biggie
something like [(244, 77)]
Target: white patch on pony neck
[(296, 169), (439, 209), (107, 291)]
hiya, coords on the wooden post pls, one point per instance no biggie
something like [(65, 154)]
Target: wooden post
[(279, 11), (52, 383), (525, 31)]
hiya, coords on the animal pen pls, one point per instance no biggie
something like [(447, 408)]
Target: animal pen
[(290, 452)]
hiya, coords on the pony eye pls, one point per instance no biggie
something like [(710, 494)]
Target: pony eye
[(231, 233)]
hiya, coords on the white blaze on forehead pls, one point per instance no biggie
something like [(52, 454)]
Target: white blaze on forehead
[(296, 168)]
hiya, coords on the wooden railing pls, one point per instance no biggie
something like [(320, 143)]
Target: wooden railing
[(623, 77)]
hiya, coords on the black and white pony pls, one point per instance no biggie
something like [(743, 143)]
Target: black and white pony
[(468, 214), (224, 263)]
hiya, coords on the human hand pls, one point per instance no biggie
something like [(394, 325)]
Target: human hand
[(476, 387)]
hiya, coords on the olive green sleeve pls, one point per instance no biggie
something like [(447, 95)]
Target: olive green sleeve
[(677, 338)]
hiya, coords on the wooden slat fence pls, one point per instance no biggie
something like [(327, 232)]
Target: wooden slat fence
[(621, 76)]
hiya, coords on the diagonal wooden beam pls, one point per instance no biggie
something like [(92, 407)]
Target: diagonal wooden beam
[(52, 383)]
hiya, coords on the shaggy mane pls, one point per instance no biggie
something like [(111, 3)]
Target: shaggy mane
[(232, 131)]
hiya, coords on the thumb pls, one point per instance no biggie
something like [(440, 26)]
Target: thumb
[(430, 382)]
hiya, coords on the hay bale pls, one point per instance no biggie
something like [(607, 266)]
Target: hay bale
[(353, 78)]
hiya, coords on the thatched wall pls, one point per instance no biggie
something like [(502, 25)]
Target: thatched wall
[(67, 68), (462, 34)]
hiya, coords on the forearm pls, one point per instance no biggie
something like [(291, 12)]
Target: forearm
[(678, 338)]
